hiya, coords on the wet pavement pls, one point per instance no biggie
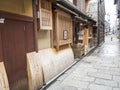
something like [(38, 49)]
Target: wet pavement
[(98, 71)]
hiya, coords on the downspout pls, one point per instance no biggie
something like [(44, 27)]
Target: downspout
[(98, 30)]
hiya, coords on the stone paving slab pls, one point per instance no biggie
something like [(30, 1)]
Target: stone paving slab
[(84, 78), (116, 88), (116, 78), (100, 75), (99, 87), (106, 82), (75, 83), (99, 71)]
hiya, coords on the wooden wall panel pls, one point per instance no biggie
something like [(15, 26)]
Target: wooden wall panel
[(16, 39), (1, 56), (13, 40), (30, 43), (20, 51), (7, 36), (86, 37), (63, 24)]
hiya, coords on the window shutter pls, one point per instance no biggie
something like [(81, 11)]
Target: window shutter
[(45, 14)]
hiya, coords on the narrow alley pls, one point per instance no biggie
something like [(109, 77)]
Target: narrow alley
[(98, 71), (60, 45)]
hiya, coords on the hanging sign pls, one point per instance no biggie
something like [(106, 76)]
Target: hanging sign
[(65, 34), (2, 20)]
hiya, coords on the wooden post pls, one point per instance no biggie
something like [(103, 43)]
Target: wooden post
[(86, 37), (57, 31), (35, 25), (1, 55)]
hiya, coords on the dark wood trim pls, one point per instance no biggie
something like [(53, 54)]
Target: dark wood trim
[(51, 38), (1, 53), (13, 16), (35, 25)]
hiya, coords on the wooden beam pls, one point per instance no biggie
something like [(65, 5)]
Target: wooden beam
[(8, 15), (35, 25)]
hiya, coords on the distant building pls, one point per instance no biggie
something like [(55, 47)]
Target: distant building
[(107, 27), (117, 2), (96, 10)]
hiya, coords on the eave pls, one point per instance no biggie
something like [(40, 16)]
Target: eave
[(74, 9)]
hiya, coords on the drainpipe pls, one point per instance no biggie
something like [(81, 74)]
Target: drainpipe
[(98, 29)]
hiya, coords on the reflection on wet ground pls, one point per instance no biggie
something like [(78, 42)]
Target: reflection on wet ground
[(109, 48)]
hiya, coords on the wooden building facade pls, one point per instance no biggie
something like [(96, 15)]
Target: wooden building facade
[(96, 10), (39, 34)]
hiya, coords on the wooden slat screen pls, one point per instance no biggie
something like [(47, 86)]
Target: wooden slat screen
[(45, 15), (63, 24)]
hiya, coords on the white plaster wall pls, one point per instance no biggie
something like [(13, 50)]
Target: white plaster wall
[(44, 40), (92, 9)]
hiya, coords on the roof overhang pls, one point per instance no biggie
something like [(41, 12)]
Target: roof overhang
[(72, 7), (80, 19), (57, 5)]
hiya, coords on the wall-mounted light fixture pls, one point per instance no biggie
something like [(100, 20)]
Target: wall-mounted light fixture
[(81, 24)]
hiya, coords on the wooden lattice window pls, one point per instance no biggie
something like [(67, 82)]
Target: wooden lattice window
[(63, 29), (45, 15)]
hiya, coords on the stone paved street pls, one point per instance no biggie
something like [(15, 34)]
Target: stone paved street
[(98, 71)]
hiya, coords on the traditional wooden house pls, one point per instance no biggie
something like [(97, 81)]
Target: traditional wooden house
[(36, 38), (83, 36), (54, 52), (117, 3), (54, 44), (96, 10)]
